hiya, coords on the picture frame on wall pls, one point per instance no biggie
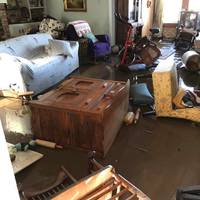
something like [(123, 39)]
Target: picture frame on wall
[(75, 5)]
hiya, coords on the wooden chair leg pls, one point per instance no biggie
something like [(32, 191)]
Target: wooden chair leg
[(93, 165)]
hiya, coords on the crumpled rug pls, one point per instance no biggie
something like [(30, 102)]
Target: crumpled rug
[(167, 50)]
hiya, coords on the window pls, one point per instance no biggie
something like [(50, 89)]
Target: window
[(194, 5), (171, 10)]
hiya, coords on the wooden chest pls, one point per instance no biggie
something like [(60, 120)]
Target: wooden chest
[(81, 112)]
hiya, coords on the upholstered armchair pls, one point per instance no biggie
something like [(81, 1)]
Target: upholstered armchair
[(166, 86), (100, 48), (97, 45)]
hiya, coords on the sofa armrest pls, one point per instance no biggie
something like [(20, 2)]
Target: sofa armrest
[(103, 38), (74, 46)]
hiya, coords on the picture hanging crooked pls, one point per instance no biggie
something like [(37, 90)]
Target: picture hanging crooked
[(75, 5)]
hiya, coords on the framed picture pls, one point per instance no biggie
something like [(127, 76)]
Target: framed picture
[(75, 5)]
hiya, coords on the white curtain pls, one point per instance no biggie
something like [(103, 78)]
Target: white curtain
[(158, 14)]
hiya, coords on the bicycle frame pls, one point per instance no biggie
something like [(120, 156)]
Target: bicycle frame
[(128, 42)]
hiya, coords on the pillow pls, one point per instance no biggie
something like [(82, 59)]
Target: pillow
[(90, 36), (59, 47), (51, 26)]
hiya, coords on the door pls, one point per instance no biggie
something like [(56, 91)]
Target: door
[(121, 6)]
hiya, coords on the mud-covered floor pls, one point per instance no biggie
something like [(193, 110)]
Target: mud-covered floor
[(158, 155)]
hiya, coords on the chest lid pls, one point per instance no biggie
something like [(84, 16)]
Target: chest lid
[(82, 94)]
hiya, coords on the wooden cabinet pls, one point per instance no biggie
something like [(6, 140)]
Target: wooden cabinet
[(83, 113), (24, 11), (37, 9)]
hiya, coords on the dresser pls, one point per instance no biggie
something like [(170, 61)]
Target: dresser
[(81, 113)]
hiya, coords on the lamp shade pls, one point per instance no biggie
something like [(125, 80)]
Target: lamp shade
[(3, 1)]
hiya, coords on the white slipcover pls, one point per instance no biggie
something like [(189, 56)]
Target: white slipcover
[(38, 70)]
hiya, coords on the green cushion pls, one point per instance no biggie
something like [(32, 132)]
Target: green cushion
[(90, 36)]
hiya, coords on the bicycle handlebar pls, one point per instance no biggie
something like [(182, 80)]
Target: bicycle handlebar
[(122, 19)]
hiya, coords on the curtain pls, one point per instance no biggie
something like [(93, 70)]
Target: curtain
[(158, 14)]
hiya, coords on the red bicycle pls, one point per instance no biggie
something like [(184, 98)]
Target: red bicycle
[(126, 53), (143, 51)]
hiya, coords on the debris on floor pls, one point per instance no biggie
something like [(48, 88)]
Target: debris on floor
[(48, 144), (23, 159), (129, 117), (148, 131), (141, 149), (137, 115)]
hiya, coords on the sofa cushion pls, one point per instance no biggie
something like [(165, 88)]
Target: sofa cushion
[(51, 26), (59, 47), (26, 46)]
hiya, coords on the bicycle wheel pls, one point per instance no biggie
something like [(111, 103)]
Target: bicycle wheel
[(129, 57)]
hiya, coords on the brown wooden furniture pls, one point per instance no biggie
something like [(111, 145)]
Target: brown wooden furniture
[(82, 112), (105, 184)]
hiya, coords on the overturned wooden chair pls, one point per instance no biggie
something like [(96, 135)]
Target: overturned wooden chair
[(103, 184)]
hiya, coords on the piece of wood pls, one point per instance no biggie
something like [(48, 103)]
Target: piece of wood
[(48, 144), (14, 94), (82, 113), (28, 93), (24, 159), (129, 117), (9, 93), (69, 174), (137, 115), (101, 190), (132, 188)]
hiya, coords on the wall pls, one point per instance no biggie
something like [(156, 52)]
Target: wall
[(98, 14)]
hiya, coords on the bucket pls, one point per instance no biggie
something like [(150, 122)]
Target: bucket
[(191, 59)]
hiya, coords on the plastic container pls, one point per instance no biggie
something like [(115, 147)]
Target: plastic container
[(191, 59)]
